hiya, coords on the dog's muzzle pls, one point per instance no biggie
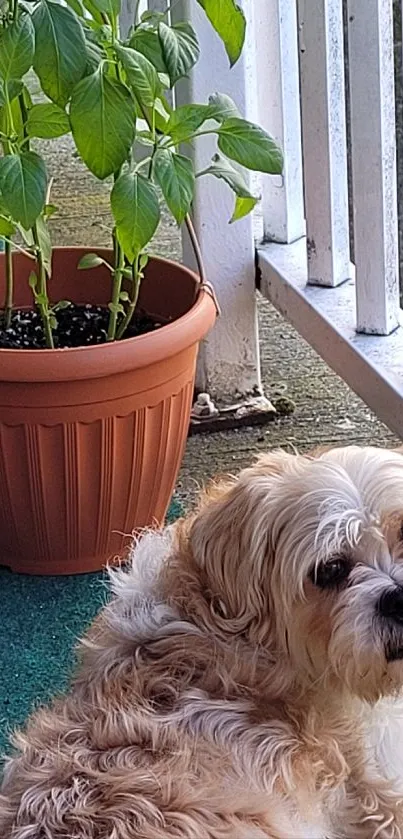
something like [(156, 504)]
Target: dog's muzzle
[(390, 609)]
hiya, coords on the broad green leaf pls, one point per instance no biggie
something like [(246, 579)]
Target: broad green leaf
[(160, 113), (7, 228), (243, 206), (77, 7), (26, 235), (3, 208), (89, 260), (222, 168), (43, 300), (152, 17), (162, 110), (175, 175), (49, 210), (180, 49), (45, 243), (165, 80), (60, 52), (94, 56), (148, 43), (145, 138), (62, 304), (103, 123), (135, 208), (11, 120), (26, 95), (117, 308), (23, 186), (226, 171), (14, 88), (33, 280), (141, 75), (17, 47), (46, 121), (105, 7), (99, 34), (250, 146), (143, 261), (222, 107), (95, 14), (229, 22), (185, 120)]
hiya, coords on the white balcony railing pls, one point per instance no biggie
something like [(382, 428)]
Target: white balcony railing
[(291, 79), (349, 313)]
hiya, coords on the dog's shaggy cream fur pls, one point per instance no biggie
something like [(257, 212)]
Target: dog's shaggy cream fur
[(244, 681)]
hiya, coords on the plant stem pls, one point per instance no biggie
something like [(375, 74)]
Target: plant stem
[(196, 247), (151, 164), (117, 285), (188, 221), (136, 14), (114, 27), (43, 292), (24, 113), (10, 121), (8, 303), (136, 278), (189, 139), (115, 36), (43, 307), (15, 245), (117, 277)]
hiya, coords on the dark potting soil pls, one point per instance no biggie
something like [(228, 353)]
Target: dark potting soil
[(77, 326)]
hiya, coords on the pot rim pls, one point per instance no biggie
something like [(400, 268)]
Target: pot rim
[(99, 360)]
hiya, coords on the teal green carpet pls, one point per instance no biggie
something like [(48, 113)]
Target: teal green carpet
[(41, 620)]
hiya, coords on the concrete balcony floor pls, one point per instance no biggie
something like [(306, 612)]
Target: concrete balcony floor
[(327, 412)]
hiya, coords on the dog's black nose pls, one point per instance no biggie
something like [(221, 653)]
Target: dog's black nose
[(391, 604)]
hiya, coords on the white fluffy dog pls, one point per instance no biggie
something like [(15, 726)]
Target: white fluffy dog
[(245, 680)]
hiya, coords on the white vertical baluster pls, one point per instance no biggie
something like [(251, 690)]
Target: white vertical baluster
[(229, 360), (324, 140), (370, 35), (279, 113)]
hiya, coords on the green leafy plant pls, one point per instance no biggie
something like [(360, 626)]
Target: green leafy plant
[(111, 94)]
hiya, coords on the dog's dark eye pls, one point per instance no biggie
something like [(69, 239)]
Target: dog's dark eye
[(332, 573)]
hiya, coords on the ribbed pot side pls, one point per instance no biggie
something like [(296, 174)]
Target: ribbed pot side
[(91, 439)]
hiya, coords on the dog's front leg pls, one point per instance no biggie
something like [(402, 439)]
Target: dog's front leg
[(372, 810)]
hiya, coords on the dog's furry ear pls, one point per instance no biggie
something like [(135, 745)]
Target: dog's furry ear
[(231, 541)]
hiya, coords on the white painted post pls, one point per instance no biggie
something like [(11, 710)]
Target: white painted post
[(229, 359), (324, 140), (373, 131), (278, 94)]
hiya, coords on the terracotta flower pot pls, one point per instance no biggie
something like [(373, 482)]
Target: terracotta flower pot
[(91, 439)]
